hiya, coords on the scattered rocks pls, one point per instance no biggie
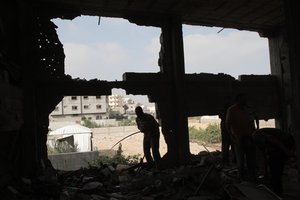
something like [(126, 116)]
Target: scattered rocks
[(203, 179)]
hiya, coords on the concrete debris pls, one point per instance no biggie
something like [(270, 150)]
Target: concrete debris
[(201, 198), (92, 186), (203, 179), (250, 192)]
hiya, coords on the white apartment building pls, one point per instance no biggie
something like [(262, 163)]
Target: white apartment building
[(91, 107), (115, 101)]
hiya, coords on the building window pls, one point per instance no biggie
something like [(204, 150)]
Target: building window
[(74, 107), (85, 97), (98, 117), (98, 106), (98, 97), (73, 97), (86, 107), (56, 108)]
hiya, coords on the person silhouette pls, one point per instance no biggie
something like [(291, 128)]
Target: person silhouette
[(228, 153), (150, 127), (275, 146), (240, 123)]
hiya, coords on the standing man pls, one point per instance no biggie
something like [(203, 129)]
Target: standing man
[(226, 137), (149, 126), (240, 123), (275, 145)]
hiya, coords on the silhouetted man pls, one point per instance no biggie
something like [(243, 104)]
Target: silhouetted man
[(275, 146), (226, 138), (149, 126), (240, 123)]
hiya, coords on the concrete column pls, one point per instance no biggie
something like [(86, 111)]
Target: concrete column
[(29, 156), (280, 67), (293, 32), (173, 71), (11, 94)]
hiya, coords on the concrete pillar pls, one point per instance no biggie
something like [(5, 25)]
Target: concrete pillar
[(11, 93), (293, 32), (174, 117), (280, 67), (29, 156)]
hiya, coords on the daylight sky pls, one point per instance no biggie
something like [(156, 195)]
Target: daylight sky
[(115, 46)]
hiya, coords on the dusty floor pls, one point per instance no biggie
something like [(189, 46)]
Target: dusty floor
[(105, 138)]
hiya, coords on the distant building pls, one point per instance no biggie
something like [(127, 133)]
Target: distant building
[(90, 107), (131, 105), (150, 109), (128, 101), (115, 101)]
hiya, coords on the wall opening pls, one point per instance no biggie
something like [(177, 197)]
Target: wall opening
[(204, 132), (107, 49), (230, 51), (109, 119)]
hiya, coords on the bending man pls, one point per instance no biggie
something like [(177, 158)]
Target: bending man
[(149, 126), (276, 147)]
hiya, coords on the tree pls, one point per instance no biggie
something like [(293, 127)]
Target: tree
[(125, 108)]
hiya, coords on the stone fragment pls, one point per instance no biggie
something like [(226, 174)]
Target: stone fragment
[(92, 186)]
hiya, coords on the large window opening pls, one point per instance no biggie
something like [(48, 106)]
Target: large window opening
[(102, 49), (205, 132), (121, 109), (229, 51), (107, 48), (115, 46), (97, 123)]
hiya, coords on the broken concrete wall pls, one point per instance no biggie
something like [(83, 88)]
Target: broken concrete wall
[(29, 51), (72, 161), (206, 94), (262, 94), (11, 106), (31, 54)]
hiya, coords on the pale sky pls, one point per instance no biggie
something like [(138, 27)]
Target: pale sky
[(116, 46)]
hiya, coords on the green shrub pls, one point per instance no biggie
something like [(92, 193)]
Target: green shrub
[(127, 122), (90, 124), (212, 134), (62, 147), (118, 158)]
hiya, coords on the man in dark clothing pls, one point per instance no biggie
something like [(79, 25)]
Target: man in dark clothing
[(275, 146), (240, 124), (149, 126), (226, 138)]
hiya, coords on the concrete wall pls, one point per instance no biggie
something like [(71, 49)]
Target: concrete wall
[(72, 161)]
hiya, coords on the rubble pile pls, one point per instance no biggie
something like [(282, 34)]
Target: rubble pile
[(203, 179)]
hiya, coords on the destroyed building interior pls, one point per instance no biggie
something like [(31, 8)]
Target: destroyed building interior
[(33, 79)]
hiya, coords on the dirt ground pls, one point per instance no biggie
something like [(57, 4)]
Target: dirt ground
[(105, 138)]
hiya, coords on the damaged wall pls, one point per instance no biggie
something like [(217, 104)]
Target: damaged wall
[(32, 82), (11, 105)]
